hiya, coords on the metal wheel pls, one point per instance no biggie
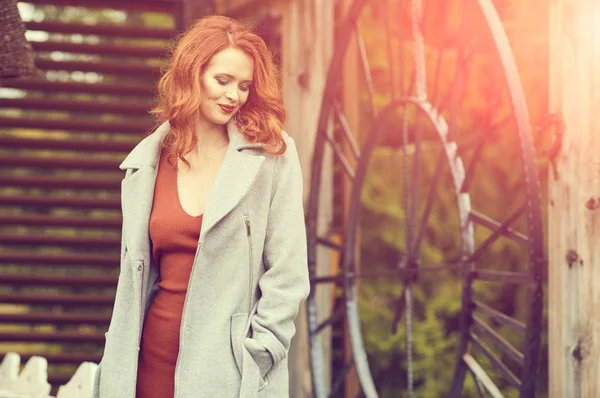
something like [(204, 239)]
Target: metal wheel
[(443, 155)]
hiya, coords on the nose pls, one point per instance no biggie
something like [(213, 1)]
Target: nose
[(232, 95)]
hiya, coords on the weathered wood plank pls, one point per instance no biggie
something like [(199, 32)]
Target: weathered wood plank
[(306, 49), (574, 213)]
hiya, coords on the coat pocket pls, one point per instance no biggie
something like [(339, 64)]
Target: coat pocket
[(261, 359), (238, 324)]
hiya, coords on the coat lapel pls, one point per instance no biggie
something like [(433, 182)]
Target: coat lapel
[(237, 173), (233, 180), (137, 192)]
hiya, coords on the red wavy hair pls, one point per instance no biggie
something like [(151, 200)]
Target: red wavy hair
[(261, 118)]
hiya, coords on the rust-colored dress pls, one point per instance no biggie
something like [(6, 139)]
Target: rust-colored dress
[(174, 235)]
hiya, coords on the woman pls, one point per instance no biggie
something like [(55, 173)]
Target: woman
[(213, 254)]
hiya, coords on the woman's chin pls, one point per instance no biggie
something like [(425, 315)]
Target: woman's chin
[(220, 120)]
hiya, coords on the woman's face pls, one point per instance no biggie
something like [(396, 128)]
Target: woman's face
[(226, 84)]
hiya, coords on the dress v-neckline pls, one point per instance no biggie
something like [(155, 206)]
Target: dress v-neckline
[(177, 197)]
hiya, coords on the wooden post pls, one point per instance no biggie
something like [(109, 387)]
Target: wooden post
[(307, 44), (574, 212)]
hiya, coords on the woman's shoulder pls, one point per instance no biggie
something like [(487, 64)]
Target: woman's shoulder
[(288, 161), (147, 151), (290, 144)]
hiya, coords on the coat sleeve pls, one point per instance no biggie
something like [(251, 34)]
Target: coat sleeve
[(285, 284), (96, 385)]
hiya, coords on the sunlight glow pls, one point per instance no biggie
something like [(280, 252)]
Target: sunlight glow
[(588, 27)]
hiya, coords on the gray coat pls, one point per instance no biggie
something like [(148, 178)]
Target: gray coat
[(248, 279)]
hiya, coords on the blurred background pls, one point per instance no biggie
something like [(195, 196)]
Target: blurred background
[(417, 153)]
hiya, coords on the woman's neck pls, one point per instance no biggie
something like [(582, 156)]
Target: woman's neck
[(210, 138)]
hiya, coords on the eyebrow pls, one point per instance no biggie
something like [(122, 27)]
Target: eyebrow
[(233, 77)]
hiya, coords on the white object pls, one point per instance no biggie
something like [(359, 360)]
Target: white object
[(32, 382), (81, 384), (9, 369)]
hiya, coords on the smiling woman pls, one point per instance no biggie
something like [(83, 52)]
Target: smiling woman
[(225, 84), (241, 63), (212, 209)]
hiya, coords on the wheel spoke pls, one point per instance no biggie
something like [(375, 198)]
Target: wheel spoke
[(402, 273), (471, 169), (401, 67), (485, 135), (429, 202), (347, 131), (502, 276), (341, 378), (329, 244), (412, 219), (341, 157), (457, 84), (478, 385), (408, 295), (476, 156), (419, 51), (400, 304), (337, 279), (436, 81), (499, 317), (493, 358), (390, 54), (496, 234), (502, 343), (420, 82), (367, 71), (411, 82), (479, 373), (494, 225), (337, 315), (454, 94)]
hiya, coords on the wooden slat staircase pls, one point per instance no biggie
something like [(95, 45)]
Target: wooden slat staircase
[(62, 136)]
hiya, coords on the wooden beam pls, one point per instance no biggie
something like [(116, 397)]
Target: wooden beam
[(306, 49), (165, 6), (137, 109), (109, 30), (574, 201), (46, 86), (90, 124), (139, 51), (113, 223), (65, 145), (65, 299), (49, 201), (138, 70)]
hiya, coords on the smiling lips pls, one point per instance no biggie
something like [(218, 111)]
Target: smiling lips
[(227, 108)]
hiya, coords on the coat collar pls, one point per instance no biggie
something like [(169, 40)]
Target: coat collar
[(235, 177), (147, 152)]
